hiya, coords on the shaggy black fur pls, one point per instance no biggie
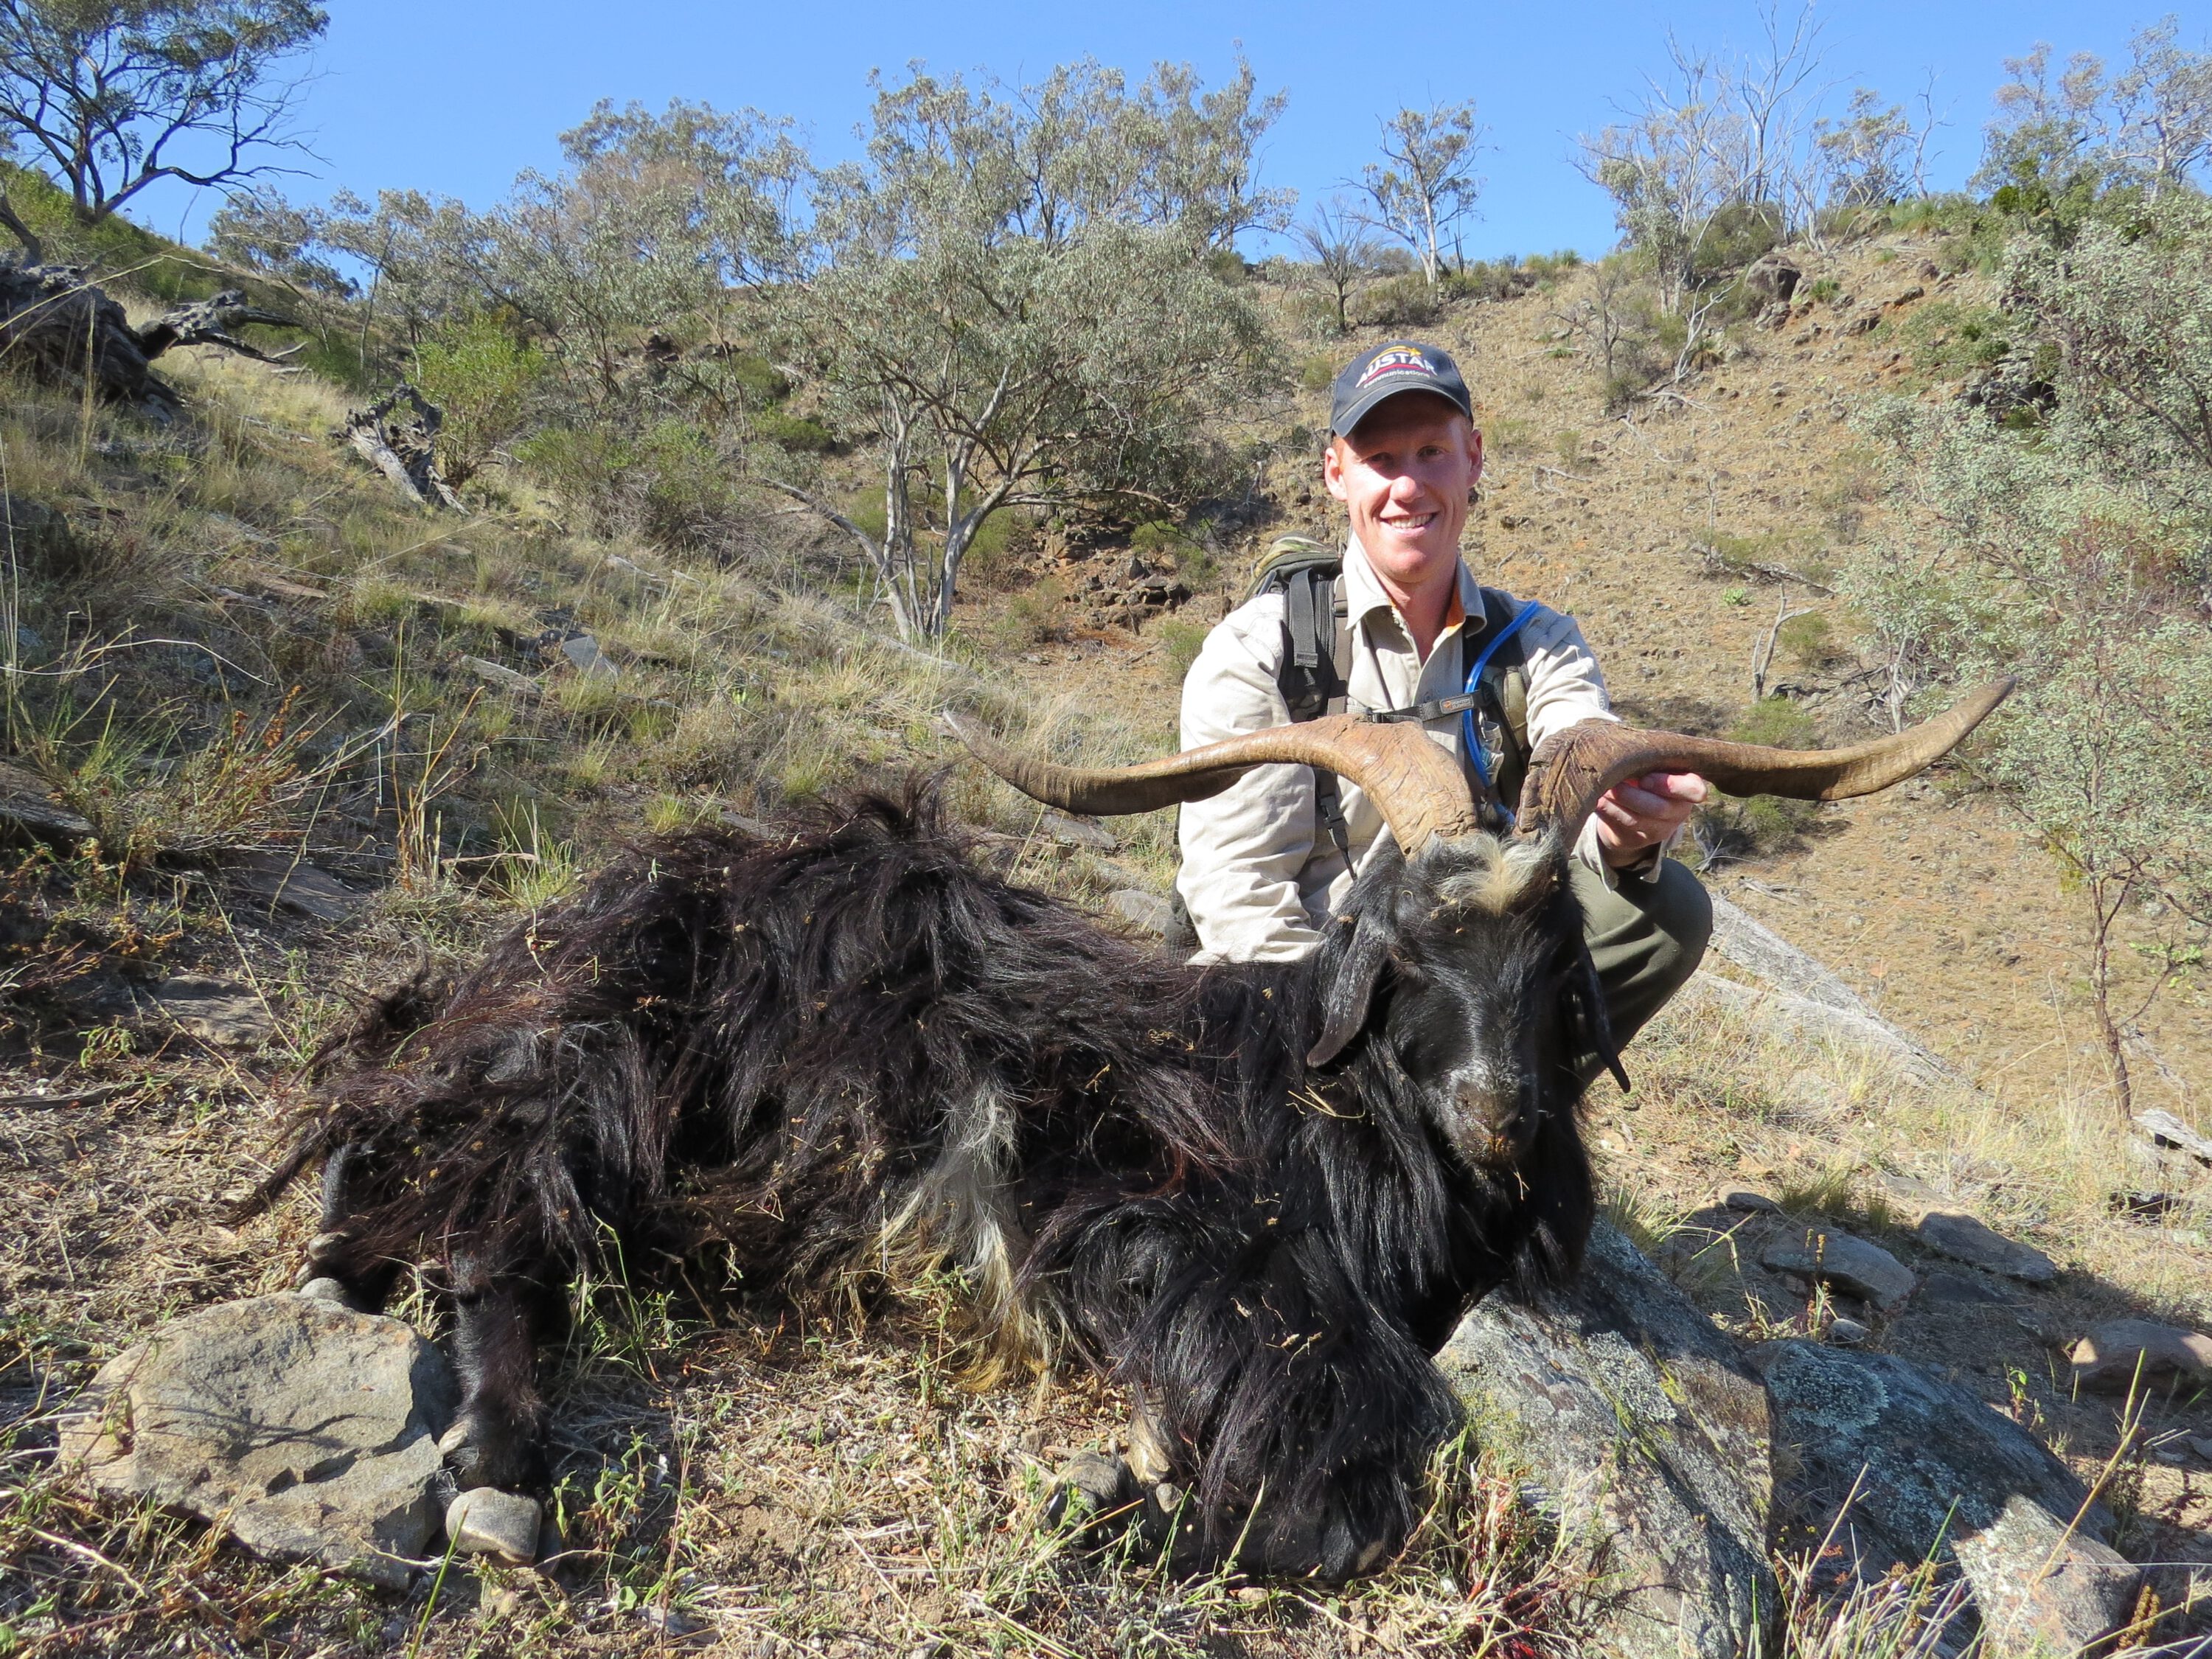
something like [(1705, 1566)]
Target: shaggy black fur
[(856, 1048)]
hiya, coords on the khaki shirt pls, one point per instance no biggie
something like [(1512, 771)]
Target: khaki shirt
[(1260, 870)]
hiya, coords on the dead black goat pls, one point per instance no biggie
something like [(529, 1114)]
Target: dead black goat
[(1258, 1195)]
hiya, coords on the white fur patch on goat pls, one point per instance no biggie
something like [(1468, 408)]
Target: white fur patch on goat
[(959, 1212), (1499, 875)]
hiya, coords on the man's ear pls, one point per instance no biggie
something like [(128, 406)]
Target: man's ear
[(1344, 1007), (1331, 465)]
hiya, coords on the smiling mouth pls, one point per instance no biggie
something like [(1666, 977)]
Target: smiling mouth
[(1414, 522)]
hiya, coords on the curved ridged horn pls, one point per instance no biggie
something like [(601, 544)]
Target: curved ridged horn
[(1415, 782), (1572, 768)]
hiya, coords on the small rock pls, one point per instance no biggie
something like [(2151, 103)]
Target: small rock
[(324, 1289), (1848, 1333), (279, 588), (1830, 1256), (29, 810), (1964, 1238), (583, 651), (309, 1429), (2202, 1446), (2042, 1587), (2124, 1353), (1079, 832), (1745, 1199), (281, 882), (216, 1009), (485, 1521), (499, 674), (1088, 1486), (1146, 910)]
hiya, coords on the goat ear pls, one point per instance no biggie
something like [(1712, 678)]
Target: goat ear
[(1344, 1008)]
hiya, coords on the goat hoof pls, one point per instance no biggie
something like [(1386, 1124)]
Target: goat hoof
[(482, 1451), (1088, 1489), (485, 1521)]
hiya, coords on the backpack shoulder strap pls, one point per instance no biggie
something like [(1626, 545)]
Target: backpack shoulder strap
[(1315, 673)]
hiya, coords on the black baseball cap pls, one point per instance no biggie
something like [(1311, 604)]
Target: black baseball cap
[(1386, 370)]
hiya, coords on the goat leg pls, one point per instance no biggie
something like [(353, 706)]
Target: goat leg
[(498, 1436), (333, 1255)]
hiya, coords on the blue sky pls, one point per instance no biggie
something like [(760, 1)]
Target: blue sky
[(455, 97)]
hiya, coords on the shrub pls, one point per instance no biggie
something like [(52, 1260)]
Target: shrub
[(483, 379), (1035, 616), (795, 433), (1180, 643), (1406, 301), (1806, 638)]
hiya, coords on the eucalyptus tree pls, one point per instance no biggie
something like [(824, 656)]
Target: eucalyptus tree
[(108, 97), (2070, 548), (997, 319)]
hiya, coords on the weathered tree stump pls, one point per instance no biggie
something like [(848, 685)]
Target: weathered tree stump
[(404, 449), (61, 326)]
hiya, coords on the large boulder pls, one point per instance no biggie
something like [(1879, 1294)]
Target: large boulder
[(1649, 1434), (307, 1428), (1899, 1465)]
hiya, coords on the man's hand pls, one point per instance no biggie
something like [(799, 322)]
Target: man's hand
[(1636, 816)]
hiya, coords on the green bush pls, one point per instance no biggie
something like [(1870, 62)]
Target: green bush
[(1399, 302), (761, 381), (484, 379), (1807, 639), (1776, 721), (1945, 338), (795, 433), (1180, 643)]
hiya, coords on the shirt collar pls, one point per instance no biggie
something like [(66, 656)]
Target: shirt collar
[(1364, 595)]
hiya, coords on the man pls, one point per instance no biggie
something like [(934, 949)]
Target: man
[(1265, 861)]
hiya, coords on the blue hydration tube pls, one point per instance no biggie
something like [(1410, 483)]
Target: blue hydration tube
[(1471, 735)]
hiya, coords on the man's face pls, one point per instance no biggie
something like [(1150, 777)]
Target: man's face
[(1404, 473)]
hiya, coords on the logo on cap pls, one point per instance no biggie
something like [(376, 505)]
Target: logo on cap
[(1398, 360)]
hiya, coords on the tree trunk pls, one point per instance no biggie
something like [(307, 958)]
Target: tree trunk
[(2100, 987)]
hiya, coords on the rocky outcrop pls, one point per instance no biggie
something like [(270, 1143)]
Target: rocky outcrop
[(1648, 1434), (307, 1428), (1898, 1466)]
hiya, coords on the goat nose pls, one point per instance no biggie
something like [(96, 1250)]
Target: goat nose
[(1503, 1117)]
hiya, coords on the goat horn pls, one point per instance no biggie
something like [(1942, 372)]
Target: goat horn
[(1572, 768), (1414, 781)]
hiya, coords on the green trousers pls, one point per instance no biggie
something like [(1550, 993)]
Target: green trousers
[(1646, 937)]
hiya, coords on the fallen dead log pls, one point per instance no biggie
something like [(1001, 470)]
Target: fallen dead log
[(60, 326), (404, 449)]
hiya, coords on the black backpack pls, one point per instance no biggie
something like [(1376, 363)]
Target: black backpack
[(1314, 678)]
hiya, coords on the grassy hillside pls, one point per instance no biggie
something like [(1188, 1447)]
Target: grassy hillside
[(233, 644)]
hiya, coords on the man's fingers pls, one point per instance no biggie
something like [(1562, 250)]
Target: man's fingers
[(1678, 786), (1645, 804)]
